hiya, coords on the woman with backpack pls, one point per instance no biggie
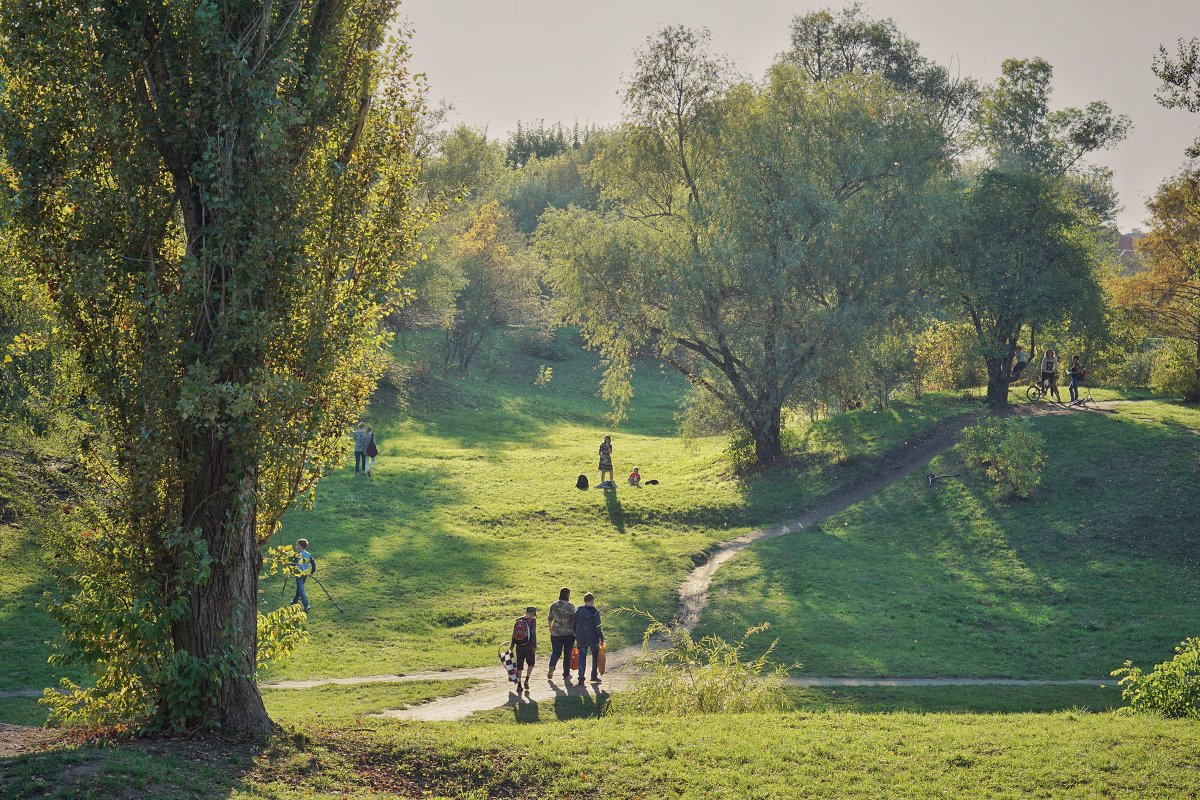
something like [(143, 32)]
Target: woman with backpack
[(1077, 374), (524, 641)]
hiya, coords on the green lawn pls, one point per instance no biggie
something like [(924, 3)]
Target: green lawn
[(1099, 566), (472, 512), (25, 626), (800, 754)]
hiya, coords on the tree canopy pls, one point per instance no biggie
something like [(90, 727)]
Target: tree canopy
[(754, 229), (219, 199)]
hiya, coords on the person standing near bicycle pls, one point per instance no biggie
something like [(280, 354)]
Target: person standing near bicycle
[(1050, 374), (1077, 374)]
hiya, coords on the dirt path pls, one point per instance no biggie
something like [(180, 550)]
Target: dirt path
[(494, 690)]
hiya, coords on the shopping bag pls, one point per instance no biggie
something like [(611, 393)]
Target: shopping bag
[(575, 658), (600, 659)]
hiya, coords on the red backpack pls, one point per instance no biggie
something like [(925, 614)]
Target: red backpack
[(521, 631)]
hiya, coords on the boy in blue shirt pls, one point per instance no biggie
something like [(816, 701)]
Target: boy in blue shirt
[(306, 565)]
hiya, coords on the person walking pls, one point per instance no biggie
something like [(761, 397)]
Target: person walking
[(1050, 374), (606, 467), (371, 450), (562, 633), (305, 565), (360, 448), (524, 640), (588, 635), (1076, 373)]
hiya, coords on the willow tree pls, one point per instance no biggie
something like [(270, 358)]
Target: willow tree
[(754, 229), (219, 197)]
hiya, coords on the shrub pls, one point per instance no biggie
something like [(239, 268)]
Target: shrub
[(1136, 368), (542, 344), (1171, 689), (544, 376), (1008, 451), (1174, 371), (948, 357), (709, 676)]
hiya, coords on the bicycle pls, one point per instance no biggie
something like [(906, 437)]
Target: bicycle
[(1038, 391)]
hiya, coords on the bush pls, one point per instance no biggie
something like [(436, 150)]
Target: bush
[(1174, 371), (542, 344), (1171, 689), (709, 676), (948, 357), (1008, 451), (1136, 368)]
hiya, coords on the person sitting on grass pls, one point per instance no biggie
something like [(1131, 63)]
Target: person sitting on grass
[(524, 640), (562, 633), (588, 635), (305, 565), (635, 478)]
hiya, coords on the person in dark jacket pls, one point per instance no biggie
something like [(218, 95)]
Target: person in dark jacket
[(1076, 373), (588, 635)]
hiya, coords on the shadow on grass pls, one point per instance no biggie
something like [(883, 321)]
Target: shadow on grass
[(616, 514), (1099, 566), (200, 767)]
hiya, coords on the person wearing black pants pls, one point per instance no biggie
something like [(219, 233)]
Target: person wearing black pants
[(588, 635), (1076, 373), (562, 633)]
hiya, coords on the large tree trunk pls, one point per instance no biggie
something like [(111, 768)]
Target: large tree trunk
[(765, 429), (222, 613), (999, 374)]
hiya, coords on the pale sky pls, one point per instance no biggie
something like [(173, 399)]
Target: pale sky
[(500, 61)]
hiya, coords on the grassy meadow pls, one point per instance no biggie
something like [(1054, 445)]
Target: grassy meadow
[(1098, 566), (472, 512)]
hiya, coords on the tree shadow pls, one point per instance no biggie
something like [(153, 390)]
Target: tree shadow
[(1099, 566)]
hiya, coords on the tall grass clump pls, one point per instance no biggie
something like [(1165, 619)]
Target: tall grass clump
[(680, 676), (1171, 689)]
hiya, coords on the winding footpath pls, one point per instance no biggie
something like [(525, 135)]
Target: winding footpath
[(494, 690)]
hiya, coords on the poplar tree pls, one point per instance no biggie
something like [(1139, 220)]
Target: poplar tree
[(220, 200)]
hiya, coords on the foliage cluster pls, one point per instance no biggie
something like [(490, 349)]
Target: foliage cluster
[(220, 202), (1171, 689), (1008, 450), (679, 675)]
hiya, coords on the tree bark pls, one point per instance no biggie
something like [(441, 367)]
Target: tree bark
[(222, 613), (999, 374), (765, 428)]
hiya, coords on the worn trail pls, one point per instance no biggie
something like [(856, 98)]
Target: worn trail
[(494, 691)]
